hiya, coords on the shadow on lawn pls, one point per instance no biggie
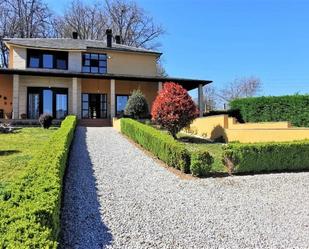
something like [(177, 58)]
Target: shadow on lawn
[(8, 152), (81, 221)]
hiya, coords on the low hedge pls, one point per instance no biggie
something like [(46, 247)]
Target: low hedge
[(30, 207), (166, 148), (160, 144), (201, 162), (263, 157), (293, 108)]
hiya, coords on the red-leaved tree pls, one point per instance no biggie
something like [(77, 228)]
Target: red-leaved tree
[(173, 108)]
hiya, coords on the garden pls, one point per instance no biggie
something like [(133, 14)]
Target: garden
[(174, 110), (32, 164)]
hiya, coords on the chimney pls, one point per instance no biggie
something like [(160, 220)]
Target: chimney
[(75, 35), (109, 35), (118, 39)]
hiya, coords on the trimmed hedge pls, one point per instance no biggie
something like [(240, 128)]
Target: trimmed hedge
[(160, 144), (201, 162), (293, 108), (262, 157), (166, 148), (30, 207)]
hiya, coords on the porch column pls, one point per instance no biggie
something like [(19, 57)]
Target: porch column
[(76, 97), (15, 96), (200, 99), (112, 110), (159, 86)]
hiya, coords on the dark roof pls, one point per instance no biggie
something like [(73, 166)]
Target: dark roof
[(74, 44), (188, 84)]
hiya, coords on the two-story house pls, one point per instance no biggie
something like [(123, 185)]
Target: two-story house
[(88, 78)]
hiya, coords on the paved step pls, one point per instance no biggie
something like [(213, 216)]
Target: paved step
[(95, 122)]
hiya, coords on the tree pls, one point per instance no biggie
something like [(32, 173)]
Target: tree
[(241, 88), (210, 98), (133, 24), (23, 19), (89, 21), (173, 108), (137, 106)]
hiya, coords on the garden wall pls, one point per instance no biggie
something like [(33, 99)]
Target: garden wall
[(214, 127)]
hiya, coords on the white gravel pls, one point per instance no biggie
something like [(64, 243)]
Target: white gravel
[(118, 197)]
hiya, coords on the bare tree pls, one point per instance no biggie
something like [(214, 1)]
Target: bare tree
[(23, 19), (210, 98), (135, 27), (89, 21), (240, 88)]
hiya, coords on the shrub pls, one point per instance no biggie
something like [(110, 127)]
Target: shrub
[(137, 106), (259, 157), (201, 162), (173, 108), (293, 108), (46, 120), (157, 142), (30, 207)]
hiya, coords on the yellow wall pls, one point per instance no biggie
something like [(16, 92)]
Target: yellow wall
[(130, 63), (210, 127), (6, 91), (116, 124), (214, 127), (118, 62)]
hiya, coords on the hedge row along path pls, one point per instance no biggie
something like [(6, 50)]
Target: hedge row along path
[(118, 197)]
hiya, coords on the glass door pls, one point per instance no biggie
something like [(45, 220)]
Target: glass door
[(33, 105), (48, 102), (94, 105), (52, 101), (61, 105)]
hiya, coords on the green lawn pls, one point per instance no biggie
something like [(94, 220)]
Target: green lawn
[(215, 149), (16, 149)]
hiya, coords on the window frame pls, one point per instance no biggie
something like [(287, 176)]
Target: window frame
[(55, 91), (39, 54), (116, 104), (88, 57)]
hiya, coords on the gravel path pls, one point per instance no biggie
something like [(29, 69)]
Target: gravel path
[(118, 197)]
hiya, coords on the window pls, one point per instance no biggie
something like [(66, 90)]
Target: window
[(121, 102), (47, 59), (53, 101), (94, 63)]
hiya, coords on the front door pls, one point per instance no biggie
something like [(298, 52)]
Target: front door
[(94, 105)]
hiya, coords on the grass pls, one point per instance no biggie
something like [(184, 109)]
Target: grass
[(16, 149), (215, 149)]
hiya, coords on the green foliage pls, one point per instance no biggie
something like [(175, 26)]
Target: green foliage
[(260, 157), (159, 143), (201, 162), (137, 106), (293, 108), (30, 206), (173, 152)]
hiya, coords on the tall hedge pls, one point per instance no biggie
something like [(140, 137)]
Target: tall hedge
[(293, 108), (30, 207), (267, 157)]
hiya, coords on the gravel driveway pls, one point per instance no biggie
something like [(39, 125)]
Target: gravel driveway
[(115, 196)]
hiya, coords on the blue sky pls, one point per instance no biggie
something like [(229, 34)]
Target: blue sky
[(224, 39)]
